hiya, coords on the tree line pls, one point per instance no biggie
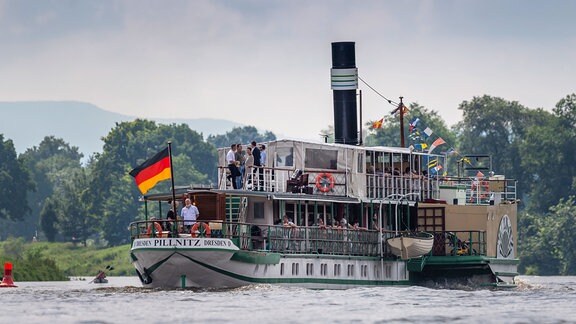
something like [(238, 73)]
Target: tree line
[(46, 192)]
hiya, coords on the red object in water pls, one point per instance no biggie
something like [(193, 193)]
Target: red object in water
[(7, 280)]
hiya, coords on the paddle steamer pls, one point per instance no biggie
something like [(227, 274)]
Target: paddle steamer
[(239, 238)]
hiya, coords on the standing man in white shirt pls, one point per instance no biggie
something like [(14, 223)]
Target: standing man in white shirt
[(189, 214), (234, 171), (263, 155)]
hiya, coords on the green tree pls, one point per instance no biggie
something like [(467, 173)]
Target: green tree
[(496, 127), (120, 209), (128, 145), (50, 163), (549, 157), (547, 241), (15, 183), (49, 219), (75, 222), (243, 135), (565, 221)]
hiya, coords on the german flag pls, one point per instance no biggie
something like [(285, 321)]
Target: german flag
[(154, 170)]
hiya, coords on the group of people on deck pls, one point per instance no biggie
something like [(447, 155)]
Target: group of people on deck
[(336, 224), (189, 213), (408, 173), (242, 164)]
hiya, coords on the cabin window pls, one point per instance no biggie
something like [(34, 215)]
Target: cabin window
[(284, 156), (324, 269), (321, 159), (350, 270), (309, 269), (370, 167), (377, 271), (295, 267), (364, 271), (360, 162), (388, 270), (258, 210), (281, 269)]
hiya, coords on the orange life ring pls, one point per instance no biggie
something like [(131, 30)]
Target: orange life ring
[(325, 182), (196, 233), (157, 227)]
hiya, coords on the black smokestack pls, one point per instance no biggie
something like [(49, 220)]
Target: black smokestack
[(344, 75)]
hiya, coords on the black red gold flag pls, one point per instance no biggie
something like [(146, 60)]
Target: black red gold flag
[(152, 171)]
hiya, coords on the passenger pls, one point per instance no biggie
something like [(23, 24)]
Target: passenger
[(100, 277), (356, 226), (234, 171), (287, 222), (263, 155), (257, 165), (170, 216), (249, 168), (375, 223), (189, 214), (320, 223), (263, 159), (239, 157), (344, 223), (336, 224), (289, 233)]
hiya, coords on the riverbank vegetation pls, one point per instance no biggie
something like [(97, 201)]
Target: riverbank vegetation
[(47, 193), (44, 261)]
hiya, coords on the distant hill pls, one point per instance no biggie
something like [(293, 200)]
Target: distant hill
[(78, 123)]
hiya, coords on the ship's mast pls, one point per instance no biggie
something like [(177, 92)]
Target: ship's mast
[(401, 110)]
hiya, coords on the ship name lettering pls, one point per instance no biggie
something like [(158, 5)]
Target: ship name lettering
[(214, 243), (142, 243)]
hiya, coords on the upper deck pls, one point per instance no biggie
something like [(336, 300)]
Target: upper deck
[(364, 173)]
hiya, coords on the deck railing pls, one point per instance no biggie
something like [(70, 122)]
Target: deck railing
[(313, 239), (459, 243), (478, 191), (382, 186)]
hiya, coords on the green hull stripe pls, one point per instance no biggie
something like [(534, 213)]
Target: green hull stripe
[(443, 260), (467, 260), (256, 257), (505, 261)]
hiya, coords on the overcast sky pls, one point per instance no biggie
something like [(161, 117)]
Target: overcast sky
[(267, 63)]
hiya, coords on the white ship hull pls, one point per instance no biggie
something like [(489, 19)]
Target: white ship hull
[(218, 263)]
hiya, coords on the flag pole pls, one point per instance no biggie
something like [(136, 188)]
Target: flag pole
[(175, 227), (401, 110)]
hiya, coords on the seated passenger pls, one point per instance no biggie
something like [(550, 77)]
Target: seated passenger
[(287, 222), (320, 223)]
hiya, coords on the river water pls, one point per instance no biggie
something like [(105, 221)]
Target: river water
[(123, 300)]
